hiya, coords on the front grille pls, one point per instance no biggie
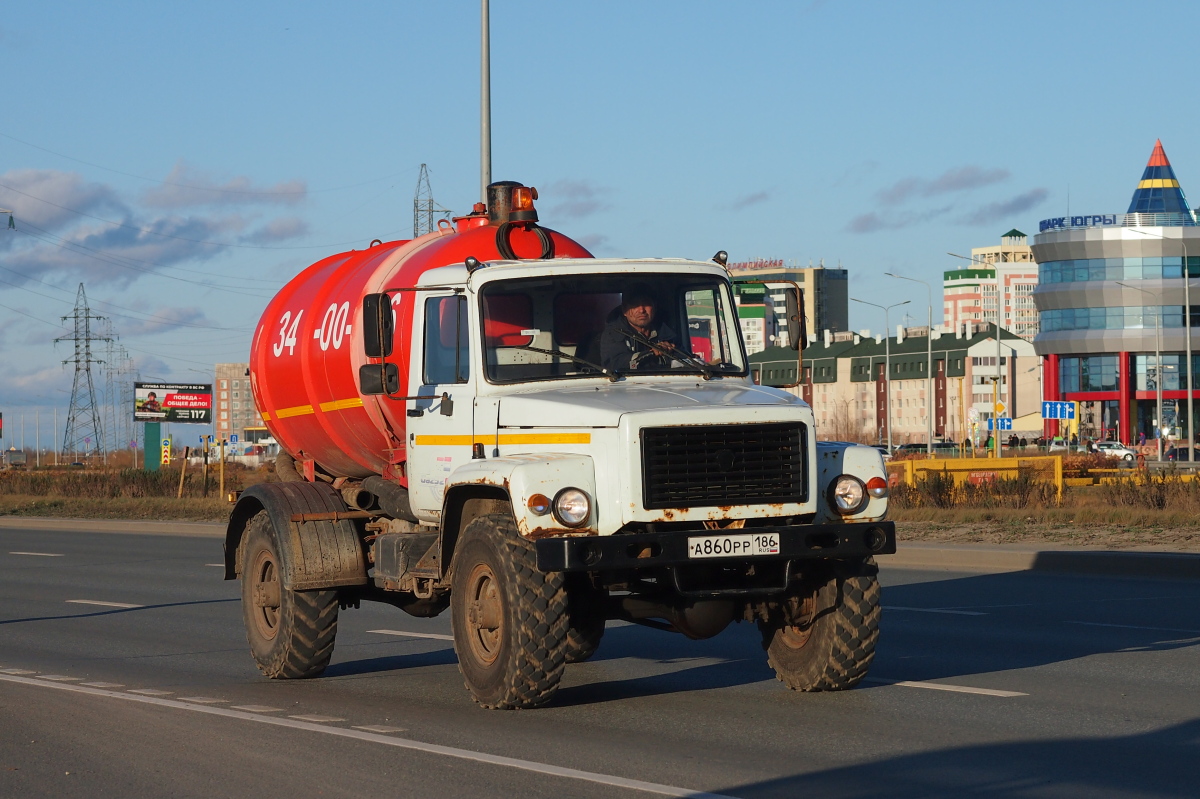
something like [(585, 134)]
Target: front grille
[(709, 466)]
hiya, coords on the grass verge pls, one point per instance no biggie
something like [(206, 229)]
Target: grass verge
[(162, 509)]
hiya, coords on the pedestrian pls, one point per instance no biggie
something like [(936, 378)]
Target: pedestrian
[(1142, 438), (1024, 442), (1074, 439)]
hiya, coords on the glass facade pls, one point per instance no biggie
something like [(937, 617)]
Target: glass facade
[(1174, 371), (1117, 318), (1117, 269), (1088, 373)]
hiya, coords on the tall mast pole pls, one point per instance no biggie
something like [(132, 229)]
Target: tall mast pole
[(485, 102)]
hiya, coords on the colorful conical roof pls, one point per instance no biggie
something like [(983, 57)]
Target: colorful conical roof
[(1158, 192)]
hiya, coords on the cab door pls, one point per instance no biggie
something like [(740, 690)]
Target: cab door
[(440, 419)]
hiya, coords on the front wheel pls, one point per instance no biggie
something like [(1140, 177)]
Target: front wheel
[(826, 639), (510, 620), (291, 633)]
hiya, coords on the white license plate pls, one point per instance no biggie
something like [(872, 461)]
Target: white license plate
[(731, 546)]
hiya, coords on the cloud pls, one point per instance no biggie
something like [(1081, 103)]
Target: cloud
[(281, 229), (748, 200), (579, 198), (25, 388), (165, 318), (962, 178), (997, 211), (593, 242), (49, 199), (105, 253), (874, 221), (187, 187)]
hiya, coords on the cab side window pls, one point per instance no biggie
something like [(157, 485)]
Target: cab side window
[(446, 354)]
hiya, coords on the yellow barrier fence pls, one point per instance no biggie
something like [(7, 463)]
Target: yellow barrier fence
[(978, 471)]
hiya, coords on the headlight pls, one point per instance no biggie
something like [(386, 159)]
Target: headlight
[(571, 507), (847, 495)]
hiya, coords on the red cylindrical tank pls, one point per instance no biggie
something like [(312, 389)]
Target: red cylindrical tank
[(308, 346)]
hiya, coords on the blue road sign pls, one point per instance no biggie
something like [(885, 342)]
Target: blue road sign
[(1004, 423), (233, 439), (1058, 410)]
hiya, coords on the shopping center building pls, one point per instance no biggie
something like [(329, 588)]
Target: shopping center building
[(1111, 294)]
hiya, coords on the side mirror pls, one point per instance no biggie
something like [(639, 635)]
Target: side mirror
[(796, 327), (378, 330), (378, 378)]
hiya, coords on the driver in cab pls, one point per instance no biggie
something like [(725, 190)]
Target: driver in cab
[(634, 341)]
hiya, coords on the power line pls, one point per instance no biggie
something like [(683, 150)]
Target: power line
[(424, 208), (203, 188), (150, 232)]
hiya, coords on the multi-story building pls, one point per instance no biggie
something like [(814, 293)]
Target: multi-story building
[(843, 381), (1112, 297), (826, 299), (999, 280), (233, 406)]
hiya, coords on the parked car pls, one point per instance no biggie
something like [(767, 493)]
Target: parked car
[(1180, 454), (887, 456), (1115, 449)]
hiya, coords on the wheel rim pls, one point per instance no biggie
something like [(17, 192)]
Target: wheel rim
[(264, 575), (485, 615)]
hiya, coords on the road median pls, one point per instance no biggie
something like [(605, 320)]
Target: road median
[(1159, 564)]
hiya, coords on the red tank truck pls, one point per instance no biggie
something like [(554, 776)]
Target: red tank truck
[(467, 420)]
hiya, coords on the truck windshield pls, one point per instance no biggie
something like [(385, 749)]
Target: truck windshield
[(587, 325)]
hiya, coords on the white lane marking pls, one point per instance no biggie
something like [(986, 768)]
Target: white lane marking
[(200, 700), (258, 708), (102, 604), (1135, 627), (435, 636), (380, 728), (400, 743), (103, 684), (219, 565), (150, 692), (937, 610), (16, 671), (315, 719), (39, 554), (941, 686), (57, 677)]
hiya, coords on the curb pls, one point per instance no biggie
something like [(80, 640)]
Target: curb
[(128, 527), (997, 559)]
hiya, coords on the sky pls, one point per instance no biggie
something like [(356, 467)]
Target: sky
[(184, 161)]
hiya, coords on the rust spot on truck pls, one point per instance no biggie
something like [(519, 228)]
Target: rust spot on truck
[(554, 532)]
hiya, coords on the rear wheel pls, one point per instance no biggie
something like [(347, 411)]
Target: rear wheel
[(291, 633), (510, 620), (825, 639)]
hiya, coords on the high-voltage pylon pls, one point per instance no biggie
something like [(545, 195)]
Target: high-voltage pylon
[(425, 210), (85, 433)]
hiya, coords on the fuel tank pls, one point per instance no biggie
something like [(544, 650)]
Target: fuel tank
[(308, 345)]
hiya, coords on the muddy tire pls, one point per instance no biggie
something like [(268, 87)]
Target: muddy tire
[(585, 618), (833, 648), (290, 633), (510, 620)]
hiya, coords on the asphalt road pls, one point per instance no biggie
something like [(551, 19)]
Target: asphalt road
[(1021, 684)]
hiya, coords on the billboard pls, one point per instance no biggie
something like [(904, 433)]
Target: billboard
[(172, 402)]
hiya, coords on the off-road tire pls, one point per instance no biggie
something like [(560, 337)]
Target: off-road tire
[(834, 651), (295, 639), (585, 617), (519, 662)]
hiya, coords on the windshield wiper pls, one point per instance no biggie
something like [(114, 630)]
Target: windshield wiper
[(684, 357), (613, 376)]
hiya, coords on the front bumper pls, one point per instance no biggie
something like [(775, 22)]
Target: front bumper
[(652, 550)]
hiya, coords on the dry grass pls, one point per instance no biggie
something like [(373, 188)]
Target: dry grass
[(190, 509)]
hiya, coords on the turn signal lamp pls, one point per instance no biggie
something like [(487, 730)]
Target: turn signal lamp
[(877, 487), (539, 504)]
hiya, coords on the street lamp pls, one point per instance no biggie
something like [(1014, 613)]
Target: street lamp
[(887, 364), (1187, 327), (1158, 370), (929, 363), (999, 374)]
